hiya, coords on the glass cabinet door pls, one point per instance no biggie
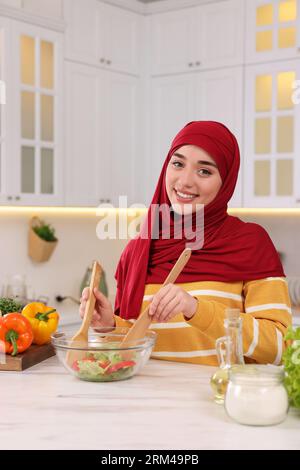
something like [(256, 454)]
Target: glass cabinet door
[(4, 44), (2, 95), (39, 122), (271, 135), (273, 30)]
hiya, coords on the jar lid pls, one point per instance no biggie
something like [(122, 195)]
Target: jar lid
[(256, 374)]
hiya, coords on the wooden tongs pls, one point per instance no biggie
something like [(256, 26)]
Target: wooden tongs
[(81, 337)]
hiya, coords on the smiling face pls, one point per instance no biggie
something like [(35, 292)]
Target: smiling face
[(192, 178)]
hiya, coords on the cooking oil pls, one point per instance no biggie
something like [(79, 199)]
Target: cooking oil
[(229, 350), (218, 383)]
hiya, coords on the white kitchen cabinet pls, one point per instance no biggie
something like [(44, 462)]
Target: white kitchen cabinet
[(101, 135), (272, 145), (82, 128), (101, 34), (198, 38), (33, 167), (5, 95), (272, 30), (176, 100), (81, 37), (172, 108), (221, 33), (219, 97), (120, 130), (172, 48), (118, 40)]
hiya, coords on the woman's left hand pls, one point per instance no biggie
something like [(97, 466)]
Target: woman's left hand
[(170, 301)]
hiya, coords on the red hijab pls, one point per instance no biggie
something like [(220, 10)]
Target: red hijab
[(232, 251)]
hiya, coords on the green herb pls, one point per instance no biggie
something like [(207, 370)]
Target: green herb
[(291, 361), (8, 305), (45, 231)]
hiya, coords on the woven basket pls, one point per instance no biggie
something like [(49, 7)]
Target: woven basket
[(39, 250)]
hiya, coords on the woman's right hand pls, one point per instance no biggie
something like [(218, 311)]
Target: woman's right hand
[(103, 312)]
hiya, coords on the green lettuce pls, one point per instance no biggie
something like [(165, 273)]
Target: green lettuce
[(96, 366), (291, 361)]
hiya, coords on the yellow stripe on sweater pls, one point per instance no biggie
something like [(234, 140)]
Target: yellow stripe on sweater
[(266, 312)]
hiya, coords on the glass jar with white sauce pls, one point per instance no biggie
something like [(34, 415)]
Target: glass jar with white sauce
[(256, 395)]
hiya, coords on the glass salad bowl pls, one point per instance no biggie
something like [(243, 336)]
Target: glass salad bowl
[(103, 358)]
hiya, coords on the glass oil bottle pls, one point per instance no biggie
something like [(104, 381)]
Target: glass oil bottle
[(229, 351)]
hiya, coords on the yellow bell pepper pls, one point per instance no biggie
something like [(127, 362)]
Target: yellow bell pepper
[(43, 320)]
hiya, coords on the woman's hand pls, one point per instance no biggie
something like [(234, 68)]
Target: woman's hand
[(103, 312), (170, 301)]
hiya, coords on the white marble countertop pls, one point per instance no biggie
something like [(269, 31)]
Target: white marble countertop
[(168, 406)]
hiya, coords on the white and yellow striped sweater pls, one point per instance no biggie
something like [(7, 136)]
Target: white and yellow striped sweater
[(266, 313)]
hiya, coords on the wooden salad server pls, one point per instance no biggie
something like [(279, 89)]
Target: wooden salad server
[(82, 334), (138, 330)]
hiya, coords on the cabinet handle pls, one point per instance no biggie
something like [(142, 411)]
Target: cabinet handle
[(9, 198), (108, 62), (17, 198), (298, 49), (104, 200), (191, 64), (198, 62), (298, 201), (102, 60)]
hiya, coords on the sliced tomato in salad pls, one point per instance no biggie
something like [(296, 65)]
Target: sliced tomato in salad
[(75, 365), (102, 364), (120, 365)]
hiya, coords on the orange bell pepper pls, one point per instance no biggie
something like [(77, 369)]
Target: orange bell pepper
[(43, 320), (15, 333)]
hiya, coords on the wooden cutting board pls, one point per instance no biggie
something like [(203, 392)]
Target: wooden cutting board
[(28, 358)]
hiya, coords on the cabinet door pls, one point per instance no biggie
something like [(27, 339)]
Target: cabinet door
[(272, 147), (219, 97), (118, 121), (273, 30), (83, 98), (172, 104), (220, 35), (118, 39), (203, 37), (37, 106), (171, 40), (7, 170), (81, 30)]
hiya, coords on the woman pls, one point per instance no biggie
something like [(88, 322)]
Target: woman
[(235, 266)]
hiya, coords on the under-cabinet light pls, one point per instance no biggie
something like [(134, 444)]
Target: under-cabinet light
[(88, 211)]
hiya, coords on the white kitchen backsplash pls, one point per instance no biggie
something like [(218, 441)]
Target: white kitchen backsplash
[(78, 246)]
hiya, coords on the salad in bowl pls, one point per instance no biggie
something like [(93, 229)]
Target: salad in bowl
[(103, 358)]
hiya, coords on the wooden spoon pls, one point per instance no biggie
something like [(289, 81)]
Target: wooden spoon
[(82, 334), (138, 330)]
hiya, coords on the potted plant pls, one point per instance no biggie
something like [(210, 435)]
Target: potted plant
[(41, 240)]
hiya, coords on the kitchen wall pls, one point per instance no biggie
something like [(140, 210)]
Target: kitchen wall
[(78, 246)]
